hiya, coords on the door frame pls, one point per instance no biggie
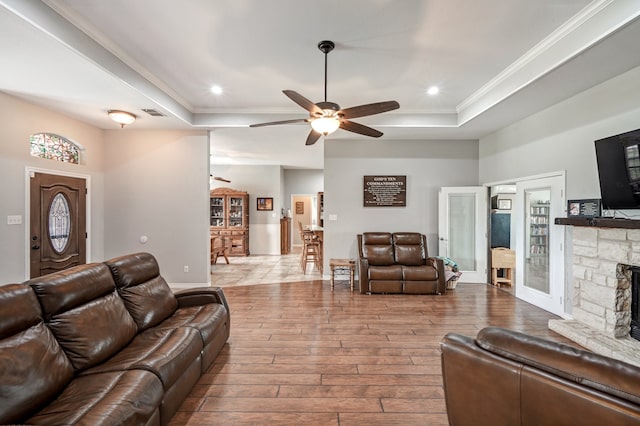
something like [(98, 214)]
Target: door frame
[(519, 219), (27, 211)]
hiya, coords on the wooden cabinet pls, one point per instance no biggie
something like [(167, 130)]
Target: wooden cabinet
[(285, 235), (320, 208), (229, 219)]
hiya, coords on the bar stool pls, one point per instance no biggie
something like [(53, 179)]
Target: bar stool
[(311, 251)]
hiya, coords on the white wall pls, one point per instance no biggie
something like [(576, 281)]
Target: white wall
[(18, 120), (157, 185), (428, 166), (258, 181), (562, 137)]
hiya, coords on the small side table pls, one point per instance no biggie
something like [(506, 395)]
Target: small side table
[(342, 265)]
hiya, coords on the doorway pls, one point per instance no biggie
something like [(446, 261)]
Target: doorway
[(57, 236), (303, 210)]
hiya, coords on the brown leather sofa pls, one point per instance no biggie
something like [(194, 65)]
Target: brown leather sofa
[(398, 263), (105, 344), (504, 377)]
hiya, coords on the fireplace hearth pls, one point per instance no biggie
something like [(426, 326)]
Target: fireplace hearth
[(603, 265)]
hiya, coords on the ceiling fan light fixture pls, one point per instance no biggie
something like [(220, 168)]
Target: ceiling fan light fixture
[(121, 117), (325, 125)]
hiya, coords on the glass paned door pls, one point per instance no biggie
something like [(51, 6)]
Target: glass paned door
[(462, 229), (236, 210), (540, 243)]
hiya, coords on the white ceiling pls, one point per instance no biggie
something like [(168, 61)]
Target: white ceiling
[(495, 62)]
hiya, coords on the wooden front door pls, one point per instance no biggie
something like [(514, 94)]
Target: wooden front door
[(58, 223)]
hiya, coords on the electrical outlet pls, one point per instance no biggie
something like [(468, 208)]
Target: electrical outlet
[(14, 220), (186, 268)]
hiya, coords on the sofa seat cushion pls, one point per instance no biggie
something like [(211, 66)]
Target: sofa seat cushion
[(419, 273), (115, 398), (391, 272), (165, 352), (209, 320), (33, 367), (385, 286)]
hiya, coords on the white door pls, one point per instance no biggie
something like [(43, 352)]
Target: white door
[(539, 243), (462, 229)]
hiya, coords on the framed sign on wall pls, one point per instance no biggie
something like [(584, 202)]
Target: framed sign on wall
[(299, 207), (385, 191)]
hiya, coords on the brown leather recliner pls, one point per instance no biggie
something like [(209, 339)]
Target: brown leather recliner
[(503, 377), (398, 263)]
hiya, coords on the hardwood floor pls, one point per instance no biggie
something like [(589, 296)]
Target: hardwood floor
[(302, 354)]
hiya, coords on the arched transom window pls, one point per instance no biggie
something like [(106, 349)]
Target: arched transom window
[(54, 147)]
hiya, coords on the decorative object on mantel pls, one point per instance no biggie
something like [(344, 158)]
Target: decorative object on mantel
[(584, 208), (385, 191)]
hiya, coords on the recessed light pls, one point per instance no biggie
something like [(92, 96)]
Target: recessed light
[(216, 90), (433, 90)]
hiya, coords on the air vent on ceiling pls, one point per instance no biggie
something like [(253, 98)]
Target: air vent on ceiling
[(152, 112)]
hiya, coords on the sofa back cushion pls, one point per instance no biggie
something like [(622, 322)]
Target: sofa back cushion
[(146, 294), (377, 247), (85, 313), (409, 248), (33, 366)]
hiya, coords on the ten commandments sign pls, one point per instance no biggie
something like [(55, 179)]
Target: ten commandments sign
[(385, 191)]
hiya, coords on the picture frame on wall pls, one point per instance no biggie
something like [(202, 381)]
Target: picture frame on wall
[(504, 204), (299, 207), (265, 203)]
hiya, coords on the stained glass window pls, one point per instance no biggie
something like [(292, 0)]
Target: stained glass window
[(54, 147), (59, 223)]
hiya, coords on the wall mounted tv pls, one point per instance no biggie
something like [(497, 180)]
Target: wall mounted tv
[(618, 160)]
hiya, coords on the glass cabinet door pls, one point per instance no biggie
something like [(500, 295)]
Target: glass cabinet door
[(236, 211), (217, 211)]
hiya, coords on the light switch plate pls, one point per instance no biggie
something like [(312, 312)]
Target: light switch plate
[(333, 217), (14, 220)]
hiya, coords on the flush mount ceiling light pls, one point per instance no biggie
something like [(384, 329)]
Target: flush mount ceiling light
[(121, 117), (433, 90)]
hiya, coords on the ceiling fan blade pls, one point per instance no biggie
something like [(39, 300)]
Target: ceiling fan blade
[(369, 109), (359, 128), (271, 123), (303, 102), (313, 137)]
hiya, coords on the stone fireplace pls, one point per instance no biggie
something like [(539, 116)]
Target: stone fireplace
[(603, 258)]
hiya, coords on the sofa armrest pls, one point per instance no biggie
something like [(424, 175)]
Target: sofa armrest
[(439, 265), (592, 370), (363, 269), (506, 377), (202, 295)]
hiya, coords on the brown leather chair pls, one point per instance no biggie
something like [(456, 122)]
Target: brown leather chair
[(503, 377), (398, 263)]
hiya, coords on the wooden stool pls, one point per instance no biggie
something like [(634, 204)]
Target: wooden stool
[(505, 259), (342, 265)]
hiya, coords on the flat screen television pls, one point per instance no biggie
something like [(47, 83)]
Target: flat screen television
[(618, 160)]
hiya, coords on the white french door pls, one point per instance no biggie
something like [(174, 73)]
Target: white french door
[(540, 243), (462, 229)]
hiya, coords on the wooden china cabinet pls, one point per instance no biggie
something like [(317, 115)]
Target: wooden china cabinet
[(229, 219)]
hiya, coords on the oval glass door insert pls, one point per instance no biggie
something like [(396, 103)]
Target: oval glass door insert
[(59, 223)]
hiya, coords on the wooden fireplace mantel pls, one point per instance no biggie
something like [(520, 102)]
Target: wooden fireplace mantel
[(599, 222)]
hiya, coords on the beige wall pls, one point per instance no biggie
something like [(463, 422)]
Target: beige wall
[(18, 120)]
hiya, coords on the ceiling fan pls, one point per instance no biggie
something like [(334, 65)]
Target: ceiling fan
[(221, 179), (326, 117)]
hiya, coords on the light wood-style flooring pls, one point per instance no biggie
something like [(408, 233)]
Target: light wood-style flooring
[(301, 354)]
